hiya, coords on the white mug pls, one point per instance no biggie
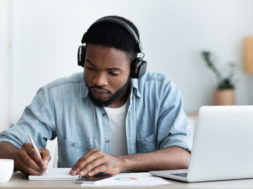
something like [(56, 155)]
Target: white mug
[(6, 169)]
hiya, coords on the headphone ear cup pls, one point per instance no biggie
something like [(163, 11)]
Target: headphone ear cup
[(138, 68), (81, 55)]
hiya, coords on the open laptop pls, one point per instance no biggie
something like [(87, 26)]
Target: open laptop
[(222, 146)]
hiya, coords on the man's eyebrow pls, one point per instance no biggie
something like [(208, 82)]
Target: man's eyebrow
[(114, 69), (110, 69), (87, 60)]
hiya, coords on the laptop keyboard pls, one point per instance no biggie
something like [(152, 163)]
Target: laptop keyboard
[(180, 174)]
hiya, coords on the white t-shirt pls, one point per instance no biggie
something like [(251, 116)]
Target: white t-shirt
[(117, 120)]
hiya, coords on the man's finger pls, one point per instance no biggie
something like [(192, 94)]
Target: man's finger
[(83, 161), (90, 158), (33, 154), (91, 165), (46, 157), (91, 151), (21, 164), (45, 154), (34, 172), (100, 169), (28, 161)]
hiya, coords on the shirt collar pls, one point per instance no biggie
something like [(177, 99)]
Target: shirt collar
[(85, 90), (135, 87)]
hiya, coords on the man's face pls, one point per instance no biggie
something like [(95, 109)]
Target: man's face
[(107, 73)]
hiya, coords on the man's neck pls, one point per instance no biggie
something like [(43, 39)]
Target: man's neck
[(121, 100)]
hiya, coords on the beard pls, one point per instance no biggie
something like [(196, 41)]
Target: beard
[(113, 97)]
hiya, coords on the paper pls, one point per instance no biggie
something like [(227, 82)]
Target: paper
[(55, 174), (129, 179)]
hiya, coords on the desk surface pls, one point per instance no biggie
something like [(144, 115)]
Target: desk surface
[(20, 181)]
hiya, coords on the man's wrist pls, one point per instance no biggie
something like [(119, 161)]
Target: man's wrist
[(124, 163), (14, 157)]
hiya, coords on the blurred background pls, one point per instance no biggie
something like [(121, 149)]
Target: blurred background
[(39, 41)]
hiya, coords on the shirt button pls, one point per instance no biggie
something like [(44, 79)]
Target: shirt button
[(104, 114), (107, 141), (72, 144)]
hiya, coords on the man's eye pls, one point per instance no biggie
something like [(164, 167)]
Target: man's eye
[(113, 74), (90, 68)]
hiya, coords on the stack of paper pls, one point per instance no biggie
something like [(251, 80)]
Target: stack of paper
[(129, 179)]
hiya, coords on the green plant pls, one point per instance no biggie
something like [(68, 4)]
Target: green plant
[(224, 82)]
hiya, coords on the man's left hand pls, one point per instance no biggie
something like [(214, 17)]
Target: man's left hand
[(95, 161)]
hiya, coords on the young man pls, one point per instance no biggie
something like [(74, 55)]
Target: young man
[(112, 118)]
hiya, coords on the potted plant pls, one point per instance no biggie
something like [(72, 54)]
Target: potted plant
[(224, 94)]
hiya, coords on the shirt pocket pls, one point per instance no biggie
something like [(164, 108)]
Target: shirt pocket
[(70, 151), (147, 144)]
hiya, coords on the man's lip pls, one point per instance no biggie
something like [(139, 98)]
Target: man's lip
[(99, 91)]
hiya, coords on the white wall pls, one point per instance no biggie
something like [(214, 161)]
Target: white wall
[(45, 36), (4, 64)]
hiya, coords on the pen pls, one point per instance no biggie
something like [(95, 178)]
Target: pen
[(34, 146)]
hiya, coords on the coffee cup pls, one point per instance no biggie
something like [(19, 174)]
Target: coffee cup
[(6, 169)]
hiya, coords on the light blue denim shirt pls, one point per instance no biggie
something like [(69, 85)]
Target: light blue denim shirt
[(63, 109)]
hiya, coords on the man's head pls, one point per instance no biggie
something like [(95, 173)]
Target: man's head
[(109, 53)]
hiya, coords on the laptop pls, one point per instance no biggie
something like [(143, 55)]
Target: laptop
[(222, 146)]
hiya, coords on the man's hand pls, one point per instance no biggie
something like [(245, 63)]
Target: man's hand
[(28, 161), (95, 161)]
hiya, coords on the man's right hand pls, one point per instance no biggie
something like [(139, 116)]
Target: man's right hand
[(28, 161)]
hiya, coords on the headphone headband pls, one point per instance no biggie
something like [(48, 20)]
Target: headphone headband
[(121, 23), (138, 65)]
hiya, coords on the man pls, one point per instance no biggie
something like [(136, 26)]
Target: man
[(112, 118)]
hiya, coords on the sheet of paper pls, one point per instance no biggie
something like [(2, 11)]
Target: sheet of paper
[(129, 179), (55, 174)]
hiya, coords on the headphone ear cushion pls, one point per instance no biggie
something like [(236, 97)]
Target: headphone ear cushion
[(81, 55), (138, 68)]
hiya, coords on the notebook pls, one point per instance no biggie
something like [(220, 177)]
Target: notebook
[(221, 148), (55, 174)]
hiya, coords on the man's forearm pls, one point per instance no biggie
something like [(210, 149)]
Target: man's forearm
[(8, 150), (168, 158)]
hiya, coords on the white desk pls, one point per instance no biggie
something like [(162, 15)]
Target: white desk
[(20, 181)]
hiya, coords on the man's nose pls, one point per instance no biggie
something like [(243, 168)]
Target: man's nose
[(100, 79)]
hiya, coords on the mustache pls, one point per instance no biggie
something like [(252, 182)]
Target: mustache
[(99, 87)]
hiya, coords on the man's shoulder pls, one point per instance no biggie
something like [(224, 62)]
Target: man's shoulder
[(155, 78), (66, 82), (156, 84)]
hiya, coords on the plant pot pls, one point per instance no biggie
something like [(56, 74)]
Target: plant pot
[(224, 97)]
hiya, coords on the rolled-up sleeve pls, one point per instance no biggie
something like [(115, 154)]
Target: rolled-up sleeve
[(38, 120), (173, 125)]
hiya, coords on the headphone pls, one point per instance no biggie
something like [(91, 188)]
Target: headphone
[(138, 65)]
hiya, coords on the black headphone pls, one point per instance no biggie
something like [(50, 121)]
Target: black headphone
[(138, 66)]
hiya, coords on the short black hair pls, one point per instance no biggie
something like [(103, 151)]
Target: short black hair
[(113, 35)]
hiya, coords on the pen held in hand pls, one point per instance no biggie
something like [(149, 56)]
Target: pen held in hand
[(35, 148)]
